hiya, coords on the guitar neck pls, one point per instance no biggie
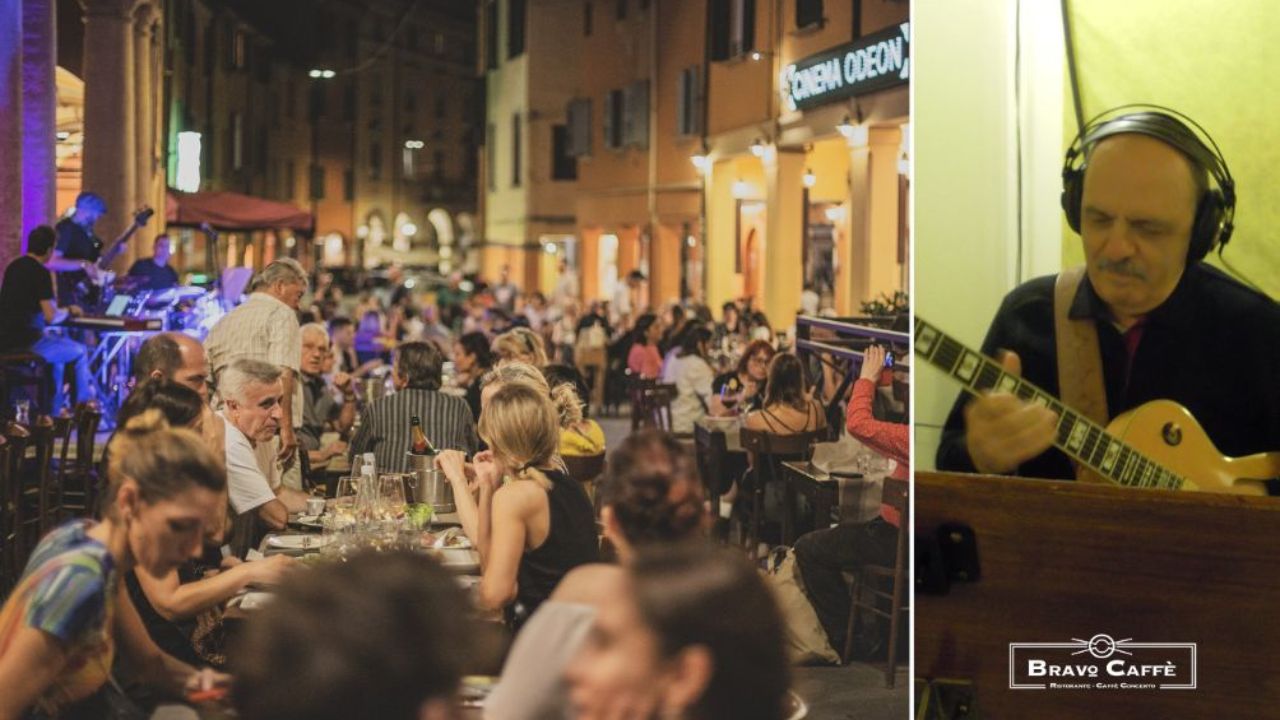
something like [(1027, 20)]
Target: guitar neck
[(1080, 438), (104, 261)]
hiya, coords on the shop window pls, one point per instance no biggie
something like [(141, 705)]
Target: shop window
[(564, 166), (515, 28), (579, 130), (348, 185), (808, 14), (689, 101), (375, 161)]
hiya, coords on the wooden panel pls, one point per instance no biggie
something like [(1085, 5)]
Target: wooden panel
[(1062, 561)]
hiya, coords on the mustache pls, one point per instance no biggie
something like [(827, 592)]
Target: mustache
[(1124, 267)]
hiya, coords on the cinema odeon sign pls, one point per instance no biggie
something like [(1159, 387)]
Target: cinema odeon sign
[(872, 62)]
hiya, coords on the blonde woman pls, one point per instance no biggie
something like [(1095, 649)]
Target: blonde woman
[(69, 616), (529, 521), (520, 345)]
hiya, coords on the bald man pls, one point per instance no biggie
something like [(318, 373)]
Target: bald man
[(174, 357)]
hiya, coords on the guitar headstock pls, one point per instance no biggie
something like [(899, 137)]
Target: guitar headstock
[(143, 216)]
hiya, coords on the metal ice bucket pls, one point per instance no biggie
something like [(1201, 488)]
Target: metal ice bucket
[(431, 486)]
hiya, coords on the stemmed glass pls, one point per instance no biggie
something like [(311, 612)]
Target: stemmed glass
[(391, 499)]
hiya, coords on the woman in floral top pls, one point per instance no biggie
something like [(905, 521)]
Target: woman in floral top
[(61, 626)]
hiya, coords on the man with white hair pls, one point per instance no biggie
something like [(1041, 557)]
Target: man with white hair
[(252, 394), (265, 328), (321, 411)]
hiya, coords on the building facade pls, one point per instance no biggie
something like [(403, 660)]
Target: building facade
[(731, 149), (529, 58)]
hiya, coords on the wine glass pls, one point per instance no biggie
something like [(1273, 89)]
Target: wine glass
[(391, 500), (344, 498)]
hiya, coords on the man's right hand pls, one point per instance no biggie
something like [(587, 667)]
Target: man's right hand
[(1003, 431)]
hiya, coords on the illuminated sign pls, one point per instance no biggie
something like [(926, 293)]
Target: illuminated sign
[(873, 62), (188, 179)]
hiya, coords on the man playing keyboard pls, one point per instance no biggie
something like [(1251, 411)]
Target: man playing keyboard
[(27, 308)]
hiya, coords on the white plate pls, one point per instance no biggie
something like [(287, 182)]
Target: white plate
[(298, 542), (459, 541), (254, 600), (308, 520)]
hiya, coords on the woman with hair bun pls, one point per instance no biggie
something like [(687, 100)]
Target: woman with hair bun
[(530, 523), (520, 344), (62, 625), (579, 434), (650, 496)]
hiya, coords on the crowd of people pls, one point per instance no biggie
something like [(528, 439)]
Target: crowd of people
[(218, 443)]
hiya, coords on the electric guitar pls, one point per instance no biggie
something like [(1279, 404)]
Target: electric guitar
[(86, 290), (1155, 445)]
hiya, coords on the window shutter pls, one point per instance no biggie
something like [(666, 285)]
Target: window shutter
[(608, 118), (719, 19), (638, 112)]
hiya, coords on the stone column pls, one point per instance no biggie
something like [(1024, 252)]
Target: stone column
[(10, 130), (110, 156), (873, 229), (783, 276), (146, 90), (39, 114)]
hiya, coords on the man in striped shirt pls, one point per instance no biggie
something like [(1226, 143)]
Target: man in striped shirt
[(265, 327), (384, 425)]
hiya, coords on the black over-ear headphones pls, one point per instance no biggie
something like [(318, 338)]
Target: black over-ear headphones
[(1216, 209)]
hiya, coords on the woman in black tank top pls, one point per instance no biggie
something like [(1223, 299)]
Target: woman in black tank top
[(531, 523)]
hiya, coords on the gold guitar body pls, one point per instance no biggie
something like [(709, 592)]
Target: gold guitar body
[(1166, 432)]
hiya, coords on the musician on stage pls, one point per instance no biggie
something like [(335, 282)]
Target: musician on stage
[(27, 308), (79, 252), (1150, 199), (155, 273)]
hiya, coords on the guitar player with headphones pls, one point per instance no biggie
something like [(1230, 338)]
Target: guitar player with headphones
[(79, 258), (1150, 195)]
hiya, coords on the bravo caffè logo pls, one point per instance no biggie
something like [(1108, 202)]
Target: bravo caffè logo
[(1102, 663)]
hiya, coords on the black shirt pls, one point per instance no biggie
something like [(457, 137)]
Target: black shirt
[(571, 541), (730, 384), (1213, 346), (26, 283), (75, 243), (156, 277)]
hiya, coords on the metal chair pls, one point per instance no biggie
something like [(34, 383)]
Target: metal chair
[(769, 451), (895, 496)]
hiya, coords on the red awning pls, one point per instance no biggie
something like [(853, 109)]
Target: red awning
[(233, 211)]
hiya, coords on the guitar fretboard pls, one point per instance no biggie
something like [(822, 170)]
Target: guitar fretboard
[(1077, 436)]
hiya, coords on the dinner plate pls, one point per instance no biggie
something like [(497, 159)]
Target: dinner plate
[(298, 542)]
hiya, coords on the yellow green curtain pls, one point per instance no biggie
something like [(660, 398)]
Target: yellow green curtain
[(1215, 61)]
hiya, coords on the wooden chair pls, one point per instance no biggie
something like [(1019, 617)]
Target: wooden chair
[(895, 496), (638, 391), (586, 469), (710, 450), (63, 426), (658, 405), (9, 498), (769, 451), (36, 480), (18, 438), (80, 478), (22, 368)]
